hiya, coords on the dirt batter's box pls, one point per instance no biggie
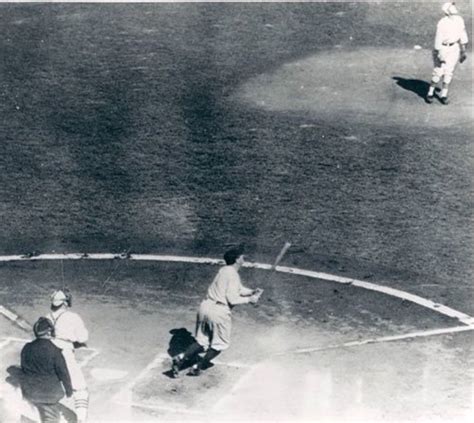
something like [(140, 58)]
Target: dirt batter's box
[(155, 389)]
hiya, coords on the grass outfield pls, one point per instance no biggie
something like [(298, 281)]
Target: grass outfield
[(120, 132)]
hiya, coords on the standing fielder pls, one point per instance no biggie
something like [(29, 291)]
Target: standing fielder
[(214, 319), (449, 49), (70, 332)]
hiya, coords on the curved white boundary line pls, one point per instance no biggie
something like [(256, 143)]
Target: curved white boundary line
[(382, 339), (442, 309)]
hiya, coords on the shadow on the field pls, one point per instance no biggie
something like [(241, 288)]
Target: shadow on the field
[(180, 340), (417, 86), (22, 405)]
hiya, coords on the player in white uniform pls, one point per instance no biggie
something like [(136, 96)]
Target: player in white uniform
[(449, 48), (214, 318), (70, 333)]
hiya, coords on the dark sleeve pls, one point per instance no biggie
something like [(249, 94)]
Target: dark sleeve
[(22, 360), (62, 372)]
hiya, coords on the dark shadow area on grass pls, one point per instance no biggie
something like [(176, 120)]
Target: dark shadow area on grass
[(416, 86)]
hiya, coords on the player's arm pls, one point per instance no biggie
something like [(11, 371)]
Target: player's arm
[(81, 333), (463, 43), (245, 292), (235, 295), (438, 42)]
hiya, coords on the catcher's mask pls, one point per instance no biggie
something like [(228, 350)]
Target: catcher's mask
[(60, 297), (42, 327), (449, 8)]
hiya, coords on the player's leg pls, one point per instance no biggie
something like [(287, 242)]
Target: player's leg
[(49, 413), (220, 340), (435, 77), (189, 354), (203, 364), (452, 58), (81, 394), (203, 335)]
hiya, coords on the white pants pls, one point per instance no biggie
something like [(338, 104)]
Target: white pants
[(213, 325), (445, 63)]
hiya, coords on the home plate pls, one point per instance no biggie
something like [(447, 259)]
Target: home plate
[(107, 374)]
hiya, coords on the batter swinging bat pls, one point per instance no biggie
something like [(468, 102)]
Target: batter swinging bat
[(282, 253)]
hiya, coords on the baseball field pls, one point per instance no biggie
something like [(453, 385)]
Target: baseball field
[(139, 141)]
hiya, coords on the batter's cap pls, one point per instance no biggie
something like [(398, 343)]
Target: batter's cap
[(58, 297)]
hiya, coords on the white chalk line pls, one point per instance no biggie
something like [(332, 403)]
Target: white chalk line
[(392, 338), (439, 308), (94, 352), (236, 386), (442, 309), (4, 343), (383, 339), (124, 396)]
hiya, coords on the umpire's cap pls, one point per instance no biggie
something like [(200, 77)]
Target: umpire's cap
[(42, 327), (231, 256)]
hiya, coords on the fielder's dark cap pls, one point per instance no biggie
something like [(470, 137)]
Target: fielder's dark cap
[(231, 256), (42, 327)]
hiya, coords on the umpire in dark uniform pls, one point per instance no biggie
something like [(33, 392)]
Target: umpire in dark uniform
[(45, 376)]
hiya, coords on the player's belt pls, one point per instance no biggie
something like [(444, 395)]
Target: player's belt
[(449, 44), (217, 302)]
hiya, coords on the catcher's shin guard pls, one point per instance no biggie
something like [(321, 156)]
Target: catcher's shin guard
[(81, 405)]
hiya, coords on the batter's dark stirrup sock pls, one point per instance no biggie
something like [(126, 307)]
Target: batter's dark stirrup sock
[(210, 355), (192, 350)]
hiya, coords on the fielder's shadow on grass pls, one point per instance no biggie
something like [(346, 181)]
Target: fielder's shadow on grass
[(180, 340), (416, 86)]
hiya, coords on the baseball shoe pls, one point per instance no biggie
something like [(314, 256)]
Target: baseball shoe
[(429, 99), (445, 100), (194, 371), (176, 366)]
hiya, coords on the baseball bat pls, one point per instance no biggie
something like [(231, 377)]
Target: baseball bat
[(16, 319), (281, 254)]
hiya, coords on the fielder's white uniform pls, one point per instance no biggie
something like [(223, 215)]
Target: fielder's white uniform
[(70, 328), (214, 319), (450, 33)]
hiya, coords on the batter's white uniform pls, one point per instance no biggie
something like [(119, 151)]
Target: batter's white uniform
[(450, 33), (214, 319)]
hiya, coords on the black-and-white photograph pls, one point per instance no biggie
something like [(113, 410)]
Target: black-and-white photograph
[(223, 211)]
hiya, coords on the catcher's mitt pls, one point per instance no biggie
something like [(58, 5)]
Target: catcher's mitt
[(463, 57)]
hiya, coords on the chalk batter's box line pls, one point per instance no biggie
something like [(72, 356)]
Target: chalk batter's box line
[(124, 395), (93, 351), (440, 308)]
